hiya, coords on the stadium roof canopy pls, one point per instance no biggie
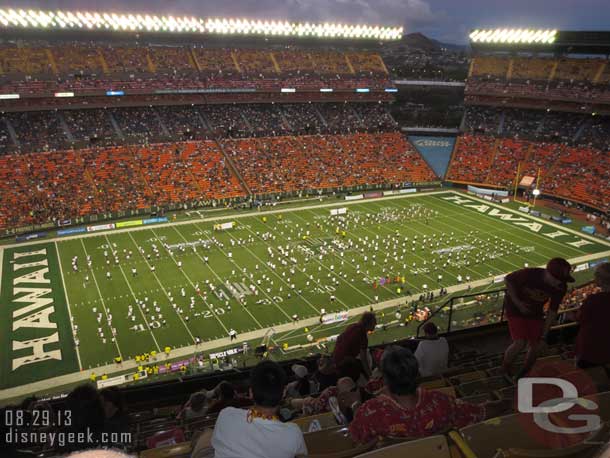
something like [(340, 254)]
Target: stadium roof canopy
[(84, 21), (539, 40)]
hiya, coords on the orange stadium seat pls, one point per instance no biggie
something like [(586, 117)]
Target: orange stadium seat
[(366, 63), (25, 61), (126, 59), (78, 59), (287, 164), (333, 63), (577, 69), (212, 61), (117, 180), (532, 68), (172, 59), (254, 62), (294, 62), (578, 173), (486, 66)]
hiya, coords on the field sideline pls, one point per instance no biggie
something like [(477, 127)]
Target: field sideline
[(43, 297)]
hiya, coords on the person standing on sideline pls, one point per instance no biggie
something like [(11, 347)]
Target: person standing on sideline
[(528, 290), (593, 340), (354, 342), (432, 353)]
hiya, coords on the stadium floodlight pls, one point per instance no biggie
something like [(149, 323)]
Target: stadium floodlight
[(86, 20), (510, 36)]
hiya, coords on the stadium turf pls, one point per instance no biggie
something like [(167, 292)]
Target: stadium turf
[(327, 273)]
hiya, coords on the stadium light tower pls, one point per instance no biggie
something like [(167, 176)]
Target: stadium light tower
[(102, 21), (513, 36)]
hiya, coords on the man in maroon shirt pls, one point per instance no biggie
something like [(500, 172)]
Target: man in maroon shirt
[(528, 291), (354, 342), (593, 340)]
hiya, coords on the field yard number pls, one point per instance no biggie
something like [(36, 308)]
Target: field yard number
[(209, 313), (325, 289)]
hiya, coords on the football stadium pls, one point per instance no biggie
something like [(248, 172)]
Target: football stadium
[(236, 237)]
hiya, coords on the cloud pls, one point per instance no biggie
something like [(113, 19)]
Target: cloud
[(412, 13), (396, 12)]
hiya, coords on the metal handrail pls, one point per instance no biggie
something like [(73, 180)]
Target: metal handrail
[(450, 302)]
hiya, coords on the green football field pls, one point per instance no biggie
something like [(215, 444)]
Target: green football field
[(256, 275)]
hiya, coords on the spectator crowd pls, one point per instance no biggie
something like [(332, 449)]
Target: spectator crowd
[(582, 80), (64, 129), (41, 67), (59, 186)]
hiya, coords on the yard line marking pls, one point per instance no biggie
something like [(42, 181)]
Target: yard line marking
[(137, 303), (327, 205), (529, 217), (61, 274), (318, 282), (444, 271), (116, 338), (188, 279), (506, 261), (162, 288), (346, 260), (368, 298), (495, 230), (218, 277), (334, 274), (275, 273), (364, 228)]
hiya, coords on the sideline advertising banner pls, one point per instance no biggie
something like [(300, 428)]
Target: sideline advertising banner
[(74, 230), (100, 227), (487, 192), (162, 219), (34, 236), (137, 222)]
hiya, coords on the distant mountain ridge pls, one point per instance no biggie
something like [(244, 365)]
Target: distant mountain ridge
[(418, 40)]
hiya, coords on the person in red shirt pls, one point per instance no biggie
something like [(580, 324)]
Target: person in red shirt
[(354, 342), (593, 340), (404, 410), (527, 292)]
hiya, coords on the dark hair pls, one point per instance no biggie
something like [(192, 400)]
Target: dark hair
[(226, 390), (114, 396), (400, 370), (430, 328), (197, 401), (303, 386), (267, 380), (368, 320), (350, 367), (88, 413)]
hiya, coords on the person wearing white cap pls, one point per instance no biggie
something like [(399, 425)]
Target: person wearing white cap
[(302, 386)]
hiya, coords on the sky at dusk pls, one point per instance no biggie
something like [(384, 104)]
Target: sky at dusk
[(445, 20)]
